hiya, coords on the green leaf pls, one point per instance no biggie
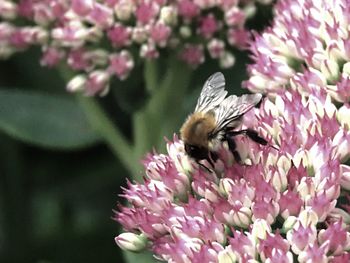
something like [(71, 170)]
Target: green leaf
[(142, 257), (44, 120)]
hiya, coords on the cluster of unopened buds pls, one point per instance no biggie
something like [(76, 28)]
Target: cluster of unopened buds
[(101, 39), (286, 203)]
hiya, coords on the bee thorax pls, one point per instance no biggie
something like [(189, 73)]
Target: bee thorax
[(197, 128)]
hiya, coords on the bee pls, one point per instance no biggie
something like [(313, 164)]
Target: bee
[(214, 121)]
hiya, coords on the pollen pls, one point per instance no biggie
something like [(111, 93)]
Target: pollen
[(197, 128)]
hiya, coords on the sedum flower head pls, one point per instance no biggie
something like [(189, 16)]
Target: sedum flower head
[(285, 201), (307, 43), (114, 36), (282, 203)]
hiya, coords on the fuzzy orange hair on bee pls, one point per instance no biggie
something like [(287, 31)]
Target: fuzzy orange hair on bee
[(215, 120)]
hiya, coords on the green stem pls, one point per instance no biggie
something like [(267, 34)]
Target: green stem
[(109, 132), (160, 116), (151, 75)]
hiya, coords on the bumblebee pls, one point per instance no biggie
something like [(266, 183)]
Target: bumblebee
[(215, 119)]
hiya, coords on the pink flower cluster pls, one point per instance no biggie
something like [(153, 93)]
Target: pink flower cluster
[(309, 41), (110, 37), (272, 206), (285, 203), (280, 205)]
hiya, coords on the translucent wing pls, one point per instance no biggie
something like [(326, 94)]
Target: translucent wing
[(213, 93), (232, 108)]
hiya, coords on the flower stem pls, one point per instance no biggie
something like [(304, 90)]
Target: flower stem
[(151, 75), (108, 131), (102, 124), (163, 112)]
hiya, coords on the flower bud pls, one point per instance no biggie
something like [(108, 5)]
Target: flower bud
[(6, 51), (185, 31), (346, 68), (101, 15), (121, 64), (278, 180), (51, 56), (337, 236), (308, 217), (94, 34), (345, 177), (260, 229), (315, 252), (124, 10), (234, 16), (343, 116), (330, 69), (139, 34), (40, 35), (227, 60), (216, 48), (306, 187), (339, 214), (242, 217), (334, 52), (98, 56), (149, 51), (82, 7), (43, 15), (341, 142), (227, 256), (289, 223), (225, 186), (131, 242), (97, 83), (8, 9), (77, 83), (250, 9), (301, 236), (168, 15)]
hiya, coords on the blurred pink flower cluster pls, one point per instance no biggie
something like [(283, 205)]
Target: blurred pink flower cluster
[(101, 39), (289, 204)]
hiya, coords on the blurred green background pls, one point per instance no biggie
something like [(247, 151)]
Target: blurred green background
[(56, 203)]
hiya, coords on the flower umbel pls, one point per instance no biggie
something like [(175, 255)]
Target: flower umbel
[(307, 43), (123, 32), (238, 210), (281, 203)]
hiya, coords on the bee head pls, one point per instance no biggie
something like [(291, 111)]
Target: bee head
[(196, 152)]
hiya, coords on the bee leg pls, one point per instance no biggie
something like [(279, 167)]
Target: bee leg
[(253, 135), (214, 156), (202, 165), (232, 146), (210, 161)]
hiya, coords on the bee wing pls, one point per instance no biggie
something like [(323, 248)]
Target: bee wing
[(232, 108), (212, 94)]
